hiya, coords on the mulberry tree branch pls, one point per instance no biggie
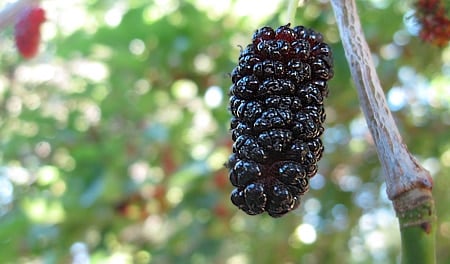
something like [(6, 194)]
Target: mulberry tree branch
[(402, 170), (408, 183), (9, 12)]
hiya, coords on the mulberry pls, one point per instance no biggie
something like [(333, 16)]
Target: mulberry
[(276, 101)]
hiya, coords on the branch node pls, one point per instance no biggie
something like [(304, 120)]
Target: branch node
[(415, 208)]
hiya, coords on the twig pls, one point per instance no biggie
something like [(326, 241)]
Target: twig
[(408, 183)]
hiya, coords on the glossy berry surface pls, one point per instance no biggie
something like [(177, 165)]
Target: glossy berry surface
[(276, 100)]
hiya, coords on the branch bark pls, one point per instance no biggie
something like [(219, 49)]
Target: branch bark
[(408, 184)]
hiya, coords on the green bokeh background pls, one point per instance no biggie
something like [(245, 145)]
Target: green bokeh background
[(113, 138)]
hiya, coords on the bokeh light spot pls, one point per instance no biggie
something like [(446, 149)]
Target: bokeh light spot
[(154, 229), (238, 259), (445, 158), (159, 9), (375, 240), (313, 205), (137, 46), (306, 233), (175, 195), (401, 37), (141, 86), (444, 229), (380, 4), (47, 175), (58, 188), (18, 175), (139, 171), (6, 192), (317, 182), (92, 70), (14, 105), (143, 257), (80, 253), (396, 98), (213, 96), (114, 15), (349, 183), (41, 210), (216, 160), (203, 63), (184, 89), (432, 165), (390, 51)]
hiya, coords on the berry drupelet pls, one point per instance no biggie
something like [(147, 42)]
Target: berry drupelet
[(277, 105)]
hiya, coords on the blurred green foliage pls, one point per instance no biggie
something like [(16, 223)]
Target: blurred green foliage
[(113, 139)]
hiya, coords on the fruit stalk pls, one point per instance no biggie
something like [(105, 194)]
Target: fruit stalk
[(9, 13), (408, 183), (292, 8)]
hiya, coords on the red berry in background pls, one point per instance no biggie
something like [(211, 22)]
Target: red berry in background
[(27, 31), (221, 211), (221, 179), (433, 17)]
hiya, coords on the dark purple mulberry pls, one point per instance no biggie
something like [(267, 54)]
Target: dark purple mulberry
[(244, 172), (292, 103), (273, 117), (290, 172), (263, 34), (275, 141), (280, 200), (268, 68), (247, 147), (255, 198), (276, 101)]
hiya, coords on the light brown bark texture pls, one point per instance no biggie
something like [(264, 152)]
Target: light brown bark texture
[(408, 184), (402, 171)]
